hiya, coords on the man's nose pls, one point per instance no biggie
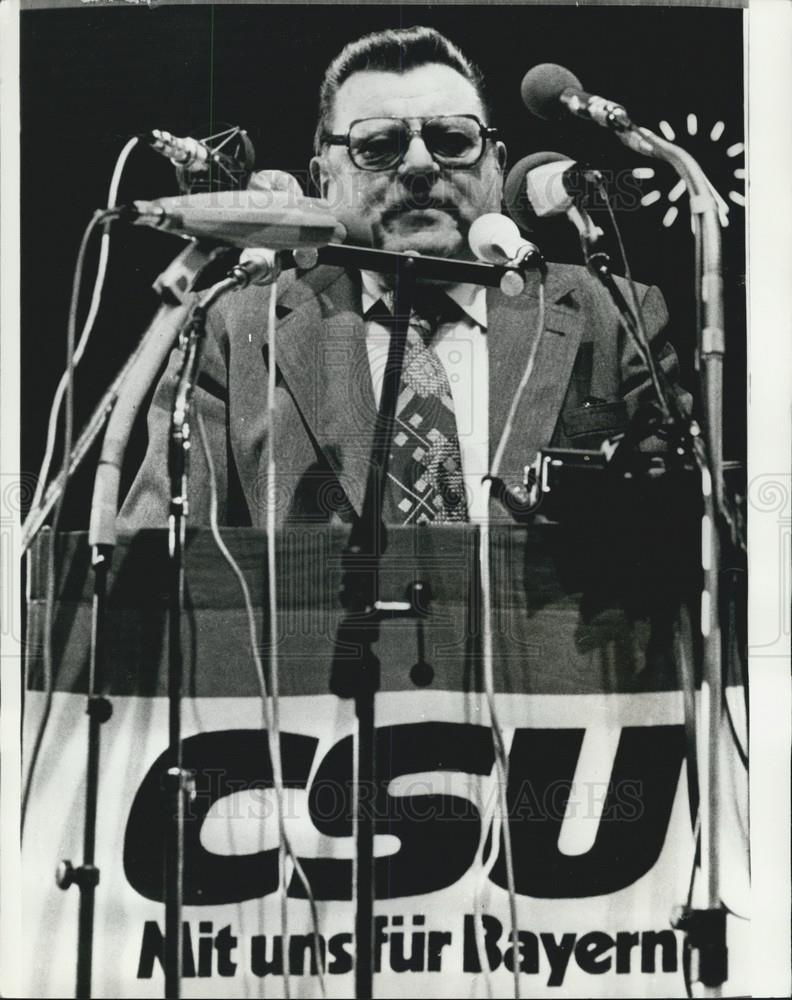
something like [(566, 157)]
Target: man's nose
[(417, 158)]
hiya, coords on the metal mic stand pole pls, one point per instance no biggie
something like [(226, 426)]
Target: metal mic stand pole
[(599, 265), (118, 408), (356, 668), (355, 671), (706, 927), (177, 782), (99, 710)]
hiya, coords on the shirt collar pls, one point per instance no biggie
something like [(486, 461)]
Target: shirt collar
[(471, 299)]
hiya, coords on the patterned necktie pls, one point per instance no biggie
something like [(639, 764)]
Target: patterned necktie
[(425, 468)]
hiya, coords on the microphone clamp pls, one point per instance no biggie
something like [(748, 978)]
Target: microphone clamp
[(222, 161)]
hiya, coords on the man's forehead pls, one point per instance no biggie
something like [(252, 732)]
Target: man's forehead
[(431, 89)]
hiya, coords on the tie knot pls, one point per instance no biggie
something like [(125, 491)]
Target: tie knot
[(434, 306), (431, 306)]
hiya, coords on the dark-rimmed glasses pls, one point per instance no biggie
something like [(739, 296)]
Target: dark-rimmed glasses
[(381, 143)]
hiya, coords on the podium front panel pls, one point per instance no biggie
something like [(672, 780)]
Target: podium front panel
[(593, 722)]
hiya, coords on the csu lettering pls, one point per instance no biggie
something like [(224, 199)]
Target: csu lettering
[(436, 825)]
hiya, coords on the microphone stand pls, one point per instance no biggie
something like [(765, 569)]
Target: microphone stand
[(177, 782), (509, 277), (356, 668), (705, 927), (36, 519), (178, 279), (599, 265), (118, 407)]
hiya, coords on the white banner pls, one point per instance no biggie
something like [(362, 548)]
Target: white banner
[(601, 836)]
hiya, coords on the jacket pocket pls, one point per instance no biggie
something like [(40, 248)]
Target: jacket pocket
[(596, 421)]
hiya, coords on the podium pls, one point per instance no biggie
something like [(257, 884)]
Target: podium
[(571, 617), (588, 698)]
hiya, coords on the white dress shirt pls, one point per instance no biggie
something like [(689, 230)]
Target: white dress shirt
[(461, 346)]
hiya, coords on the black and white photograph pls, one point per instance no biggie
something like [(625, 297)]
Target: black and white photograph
[(310, 691)]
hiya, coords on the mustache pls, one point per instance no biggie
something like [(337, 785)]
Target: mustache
[(419, 200)]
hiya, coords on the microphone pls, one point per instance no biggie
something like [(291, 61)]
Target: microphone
[(550, 91), (278, 220), (275, 180), (226, 158), (190, 154), (494, 238), (545, 184)]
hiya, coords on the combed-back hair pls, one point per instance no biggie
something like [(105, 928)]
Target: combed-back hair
[(394, 50)]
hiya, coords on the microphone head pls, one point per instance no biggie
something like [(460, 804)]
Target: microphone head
[(275, 180), (542, 87), (515, 191), (494, 238), (277, 220)]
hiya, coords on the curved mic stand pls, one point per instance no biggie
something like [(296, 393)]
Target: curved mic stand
[(706, 928), (37, 518), (171, 286)]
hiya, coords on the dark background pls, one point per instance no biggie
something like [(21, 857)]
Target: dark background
[(92, 77)]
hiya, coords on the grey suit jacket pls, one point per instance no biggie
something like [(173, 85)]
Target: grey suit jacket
[(586, 382)]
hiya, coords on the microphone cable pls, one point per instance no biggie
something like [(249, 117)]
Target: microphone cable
[(490, 836), (637, 330), (687, 972), (99, 218), (498, 743), (101, 274), (268, 681)]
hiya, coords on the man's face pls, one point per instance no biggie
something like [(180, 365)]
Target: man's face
[(417, 205)]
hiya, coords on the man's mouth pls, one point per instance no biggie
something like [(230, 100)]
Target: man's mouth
[(420, 207)]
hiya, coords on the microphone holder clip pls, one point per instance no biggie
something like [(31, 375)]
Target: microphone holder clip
[(508, 277)]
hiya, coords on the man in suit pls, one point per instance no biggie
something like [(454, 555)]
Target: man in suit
[(405, 148)]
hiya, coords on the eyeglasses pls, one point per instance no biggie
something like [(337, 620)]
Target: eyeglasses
[(381, 143)]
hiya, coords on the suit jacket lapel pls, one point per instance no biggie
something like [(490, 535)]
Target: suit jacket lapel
[(322, 354), (512, 328)]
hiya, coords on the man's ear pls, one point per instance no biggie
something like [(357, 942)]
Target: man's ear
[(502, 154), (318, 176)]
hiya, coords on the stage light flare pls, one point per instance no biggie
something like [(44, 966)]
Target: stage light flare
[(704, 143)]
